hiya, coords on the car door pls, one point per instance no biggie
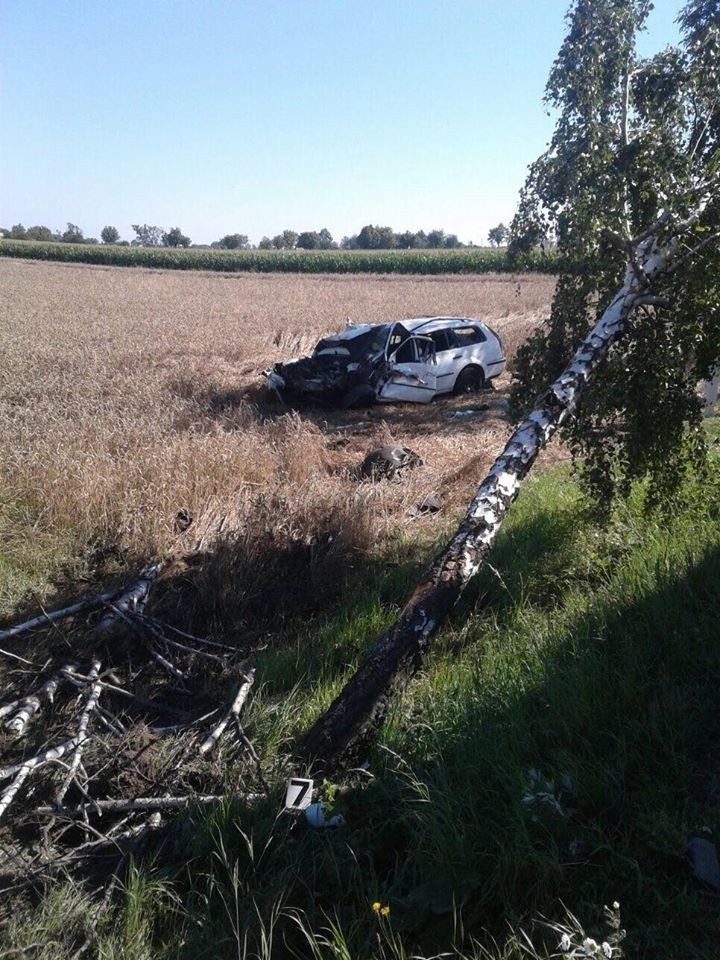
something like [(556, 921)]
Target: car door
[(471, 348), (411, 374), (446, 361)]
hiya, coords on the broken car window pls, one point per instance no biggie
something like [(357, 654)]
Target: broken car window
[(356, 348), (467, 336)]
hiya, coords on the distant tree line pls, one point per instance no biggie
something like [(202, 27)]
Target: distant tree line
[(371, 237), (73, 234)]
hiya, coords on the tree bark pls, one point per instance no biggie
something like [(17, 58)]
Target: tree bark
[(90, 604), (139, 803), (132, 600), (362, 704), (235, 707)]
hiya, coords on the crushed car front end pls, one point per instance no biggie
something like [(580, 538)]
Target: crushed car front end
[(343, 368)]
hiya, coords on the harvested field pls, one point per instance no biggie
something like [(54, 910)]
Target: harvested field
[(128, 396)]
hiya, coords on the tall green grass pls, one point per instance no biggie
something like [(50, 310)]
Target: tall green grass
[(284, 261)]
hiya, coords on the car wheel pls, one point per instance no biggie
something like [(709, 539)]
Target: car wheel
[(362, 395), (469, 380)]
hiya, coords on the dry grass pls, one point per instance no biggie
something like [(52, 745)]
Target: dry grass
[(128, 395)]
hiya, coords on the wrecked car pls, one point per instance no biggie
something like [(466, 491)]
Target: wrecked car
[(413, 360)]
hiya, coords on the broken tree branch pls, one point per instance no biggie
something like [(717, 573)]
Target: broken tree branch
[(181, 633), (24, 710), (21, 771), (132, 600), (82, 735), (142, 631), (80, 607), (52, 753), (14, 656), (131, 806), (247, 681)]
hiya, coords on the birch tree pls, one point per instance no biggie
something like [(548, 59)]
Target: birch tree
[(629, 187), (633, 139)]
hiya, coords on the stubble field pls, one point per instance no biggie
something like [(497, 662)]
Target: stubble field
[(128, 396)]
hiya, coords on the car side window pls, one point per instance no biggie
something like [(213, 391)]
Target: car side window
[(395, 340), (467, 336), (406, 353), (441, 340)]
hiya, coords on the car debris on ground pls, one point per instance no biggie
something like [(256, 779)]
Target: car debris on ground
[(429, 504), (410, 360), (387, 463)]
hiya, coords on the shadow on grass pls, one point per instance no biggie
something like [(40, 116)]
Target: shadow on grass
[(562, 745), (569, 757), (446, 415), (576, 766)]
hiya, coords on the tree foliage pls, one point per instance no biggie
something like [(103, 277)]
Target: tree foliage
[(175, 238), (39, 232), (285, 240), (308, 240), (375, 238), (147, 236), (633, 138), (233, 241), (73, 234), (109, 235), (498, 235)]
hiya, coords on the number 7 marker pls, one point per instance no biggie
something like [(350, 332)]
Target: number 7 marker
[(299, 793)]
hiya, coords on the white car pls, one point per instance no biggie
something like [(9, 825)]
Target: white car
[(411, 360)]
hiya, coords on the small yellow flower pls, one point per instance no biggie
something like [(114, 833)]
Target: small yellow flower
[(384, 911), (376, 906)]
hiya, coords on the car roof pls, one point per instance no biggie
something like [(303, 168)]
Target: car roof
[(429, 324)]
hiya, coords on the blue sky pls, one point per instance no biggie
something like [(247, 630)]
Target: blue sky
[(250, 116)]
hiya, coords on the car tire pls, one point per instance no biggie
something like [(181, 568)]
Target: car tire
[(469, 380), (362, 395)]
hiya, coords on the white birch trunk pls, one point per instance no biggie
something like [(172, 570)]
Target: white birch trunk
[(24, 710), (132, 600), (139, 803), (363, 702), (710, 392), (234, 711), (81, 607)]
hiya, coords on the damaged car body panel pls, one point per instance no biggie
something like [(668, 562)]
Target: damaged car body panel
[(412, 360)]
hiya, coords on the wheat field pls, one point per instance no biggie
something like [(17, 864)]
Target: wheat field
[(127, 396)]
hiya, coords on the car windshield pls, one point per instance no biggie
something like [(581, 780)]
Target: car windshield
[(366, 344)]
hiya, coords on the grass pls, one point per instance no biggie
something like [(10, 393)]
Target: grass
[(482, 260), (559, 748)]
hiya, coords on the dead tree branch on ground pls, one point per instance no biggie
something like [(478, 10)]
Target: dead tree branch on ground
[(234, 711)]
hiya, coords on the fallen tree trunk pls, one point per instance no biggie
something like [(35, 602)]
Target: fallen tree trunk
[(139, 803), (82, 606), (362, 704), (132, 600)]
